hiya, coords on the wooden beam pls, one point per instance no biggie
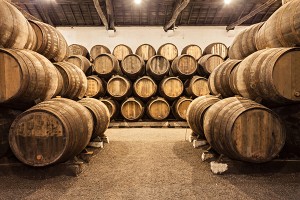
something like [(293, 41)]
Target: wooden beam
[(251, 14), (101, 14), (110, 15), (179, 6)]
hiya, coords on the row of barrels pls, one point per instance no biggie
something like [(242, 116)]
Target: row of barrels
[(157, 108), (269, 76), (146, 51), (280, 30), (53, 131), (17, 32)]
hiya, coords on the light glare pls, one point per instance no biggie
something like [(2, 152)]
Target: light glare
[(227, 1), (137, 1)]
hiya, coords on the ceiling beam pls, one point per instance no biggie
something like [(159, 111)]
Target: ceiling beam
[(179, 6), (110, 15), (251, 14), (101, 14)]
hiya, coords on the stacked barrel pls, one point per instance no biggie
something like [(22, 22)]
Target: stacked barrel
[(149, 85)]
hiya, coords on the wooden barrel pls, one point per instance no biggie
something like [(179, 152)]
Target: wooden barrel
[(180, 106), (171, 88), (146, 51), (50, 41), (112, 105), (106, 65), (217, 48), (95, 87), (281, 29), (80, 61), (26, 76), (119, 87), (133, 66), (157, 67), (158, 109), (218, 81), (184, 66), (7, 116), (14, 27), (98, 50), (144, 88), (270, 74), (208, 63), (100, 113), (77, 49), (121, 51), (244, 130), (51, 132), (192, 50), (196, 111), (168, 50), (244, 43), (75, 81), (196, 86), (132, 109)]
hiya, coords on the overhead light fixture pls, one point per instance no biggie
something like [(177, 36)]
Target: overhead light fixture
[(137, 1), (227, 1)]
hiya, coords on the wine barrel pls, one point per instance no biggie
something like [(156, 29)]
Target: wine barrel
[(184, 66), (192, 50), (77, 49), (50, 41), (157, 67), (112, 105), (281, 29), (270, 74), (119, 87), (218, 81), (132, 109), (26, 76), (208, 63), (100, 113), (244, 43), (95, 87), (133, 66), (80, 61), (196, 111), (15, 30), (51, 132), (168, 50), (146, 51), (244, 130), (217, 48), (144, 88), (180, 106), (75, 81), (196, 86), (158, 109), (171, 88), (98, 50), (7, 116), (106, 65), (121, 51)]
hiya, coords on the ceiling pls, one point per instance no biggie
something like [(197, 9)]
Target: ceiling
[(148, 13)]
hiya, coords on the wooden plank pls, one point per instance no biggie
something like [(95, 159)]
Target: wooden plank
[(101, 14)]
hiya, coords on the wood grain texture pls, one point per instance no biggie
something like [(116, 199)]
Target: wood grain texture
[(112, 105), (97, 50), (144, 87), (196, 86), (146, 51), (133, 66), (171, 88), (180, 106), (121, 51), (192, 50), (168, 50), (119, 87), (157, 67), (158, 109), (106, 65), (95, 87), (77, 49), (132, 109), (208, 63), (51, 132), (184, 66), (244, 130), (80, 61), (216, 48)]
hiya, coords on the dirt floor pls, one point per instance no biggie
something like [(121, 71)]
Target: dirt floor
[(152, 164)]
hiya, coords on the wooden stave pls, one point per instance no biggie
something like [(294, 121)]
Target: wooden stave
[(185, 50), (127, 92), (140, 72), (137, 101), (176, 70), (209, 50), (139, 95), (115, 68), (102, 87), (122, 56), (151, 52), (154, 100), (163, 93), (175, 107), (85, 63), (188, 85), (153, 74), (171, 58)]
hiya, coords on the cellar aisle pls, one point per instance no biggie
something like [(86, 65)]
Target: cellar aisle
[(152, 164)]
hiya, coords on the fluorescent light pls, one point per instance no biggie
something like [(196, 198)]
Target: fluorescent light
[(137, 1), (227, 1)]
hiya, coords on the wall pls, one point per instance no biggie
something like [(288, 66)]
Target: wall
[(135, 36)]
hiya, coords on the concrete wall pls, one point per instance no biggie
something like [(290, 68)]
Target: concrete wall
[(135, 36)]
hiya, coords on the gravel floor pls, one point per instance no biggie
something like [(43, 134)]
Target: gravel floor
[(152, 164)]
